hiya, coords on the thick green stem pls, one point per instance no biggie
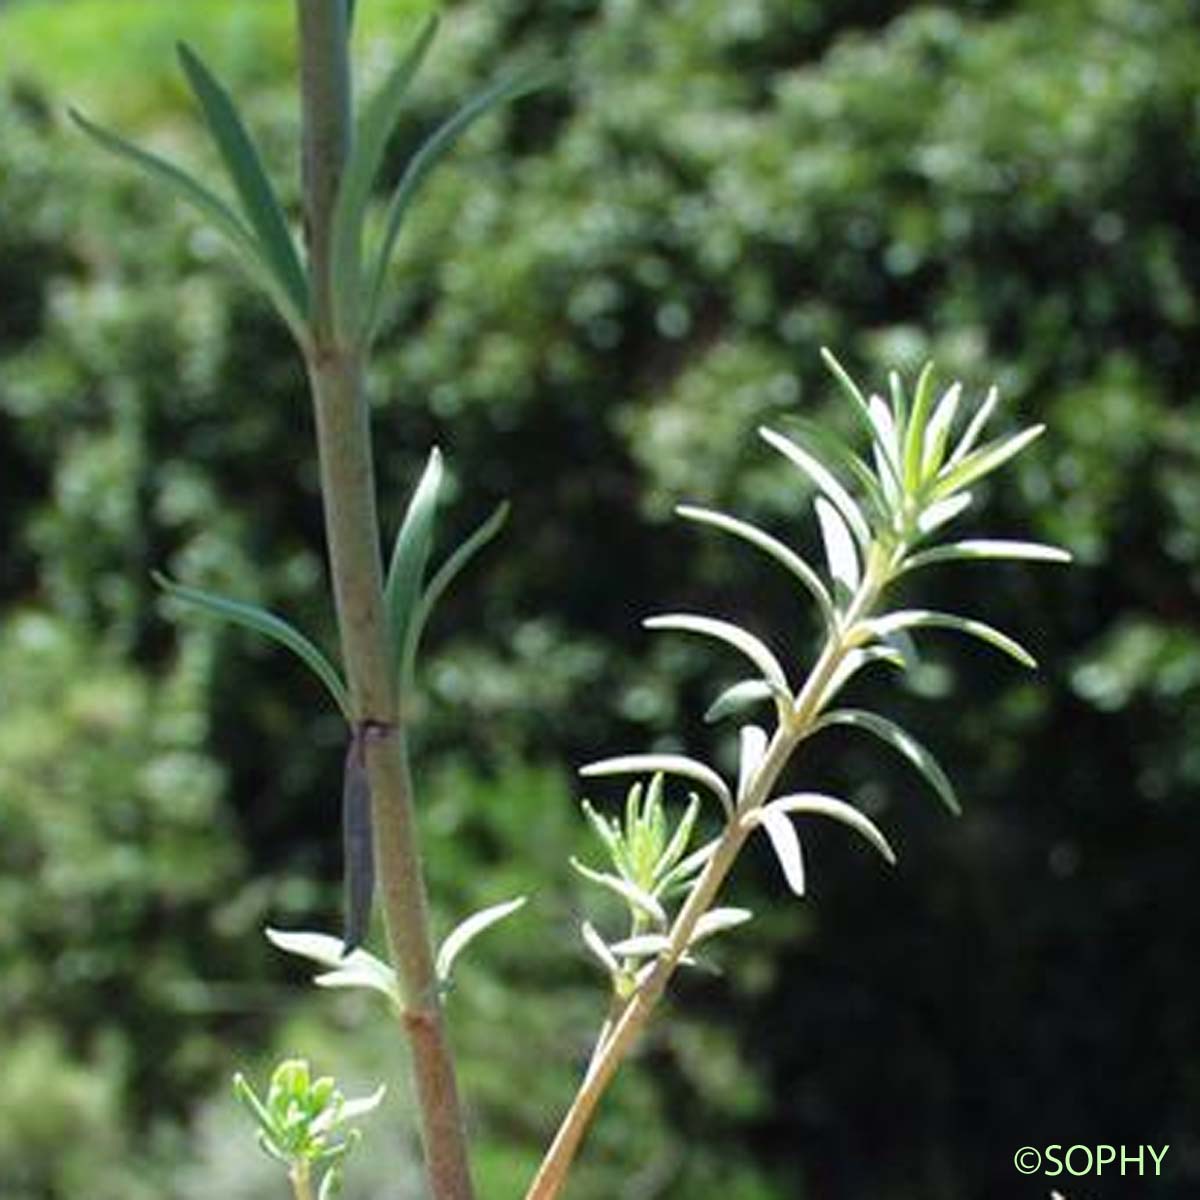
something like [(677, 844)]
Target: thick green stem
[(352, 531)]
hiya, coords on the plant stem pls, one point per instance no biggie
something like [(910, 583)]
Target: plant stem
[(301, 1180), (336, 374), (617, 1040)]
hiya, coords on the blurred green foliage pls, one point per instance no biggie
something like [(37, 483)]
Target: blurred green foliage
[(596, 303)]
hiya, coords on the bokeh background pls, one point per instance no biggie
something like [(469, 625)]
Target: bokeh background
[(597, 301)]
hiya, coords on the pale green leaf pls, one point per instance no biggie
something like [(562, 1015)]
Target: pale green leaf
[(984, 461), (680, 877), (815, 804), (638, 898), (668, 764), (644, 945), (839, 547), (359, 968), (984, 549), (718, 920), (942, 512), (466, 932), (853, 393), (410, 557), (827, 447), (259, 201), (784, 842), (924, 619), (752, 741), (975, 428), (854, 661), (779, 551), (250, 616), (914, 435), (753, 648), (903, 742), (825, 481), (740, 696), (595, 943), (679, 841), (938, 431)]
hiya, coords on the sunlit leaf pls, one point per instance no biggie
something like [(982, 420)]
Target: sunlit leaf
[(984, 549), (941, 512), (853, 393), (976, 426), (410, 557), (681, 876), (938, 431), (914, 435), (984, 461), (718, 920), (595, 943), (629, 891), (326, 951), (643, 946), (839, 547), (753, 748), (903, 742), (250, 616), (854, 661), (668, 764), (784, 842), (675, 848), (466, 932), (924, 619), (817, 805), (738, 697), (825, 481), (753, 648)]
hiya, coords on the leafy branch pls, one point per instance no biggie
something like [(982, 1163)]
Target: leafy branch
[(916, 482)]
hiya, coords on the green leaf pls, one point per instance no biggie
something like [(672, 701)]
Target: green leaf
[(359, 968), (738, 697), (938, 431), (784, 842), (249, 616), (853, 661), (825, 481), (983, 549), (644, 945), (595, 943), (903, 742), (467, 931), (982, 415), (840, 554), (421, 163), (410, 557), (443, 577), (781, 553), (681, 876), (209, 205), (253, 1105), (815, 804), (637, 897), (259, 201), (753, 648), (375, 126), (914, 435), (609, 834), (854, 394), (668, 764), (829, 448), (984, 461), (673, 852), (924, 619), (752, 749), (718, 920)]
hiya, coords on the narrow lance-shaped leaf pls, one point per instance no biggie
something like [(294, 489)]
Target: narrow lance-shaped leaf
[(595, 943), (903, 742), (738, 697), (914, 435), (853, 393), (984, 461), (753, 749), (718, 920), (681, 876), (938, 432), (825, 481), (410, 557), (467, 931), (633, 895), (249, 616), (609, 835), (781, 553), (854, 661), (357, 842), (326, 951), (421, 163), (818, 805), (375, 126), (675, 848), (668, 764), (209, 205), (246, 172), (839, 547), (975, 427), (924, 619), (753, 648), (784, 842), (443, 577), (828, 447), (984, 549)]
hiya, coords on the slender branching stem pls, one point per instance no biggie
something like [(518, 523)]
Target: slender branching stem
[(620, 1034), (300, 1174), (336, 374)]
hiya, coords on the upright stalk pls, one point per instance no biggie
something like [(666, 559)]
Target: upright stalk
[(336, 373)]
